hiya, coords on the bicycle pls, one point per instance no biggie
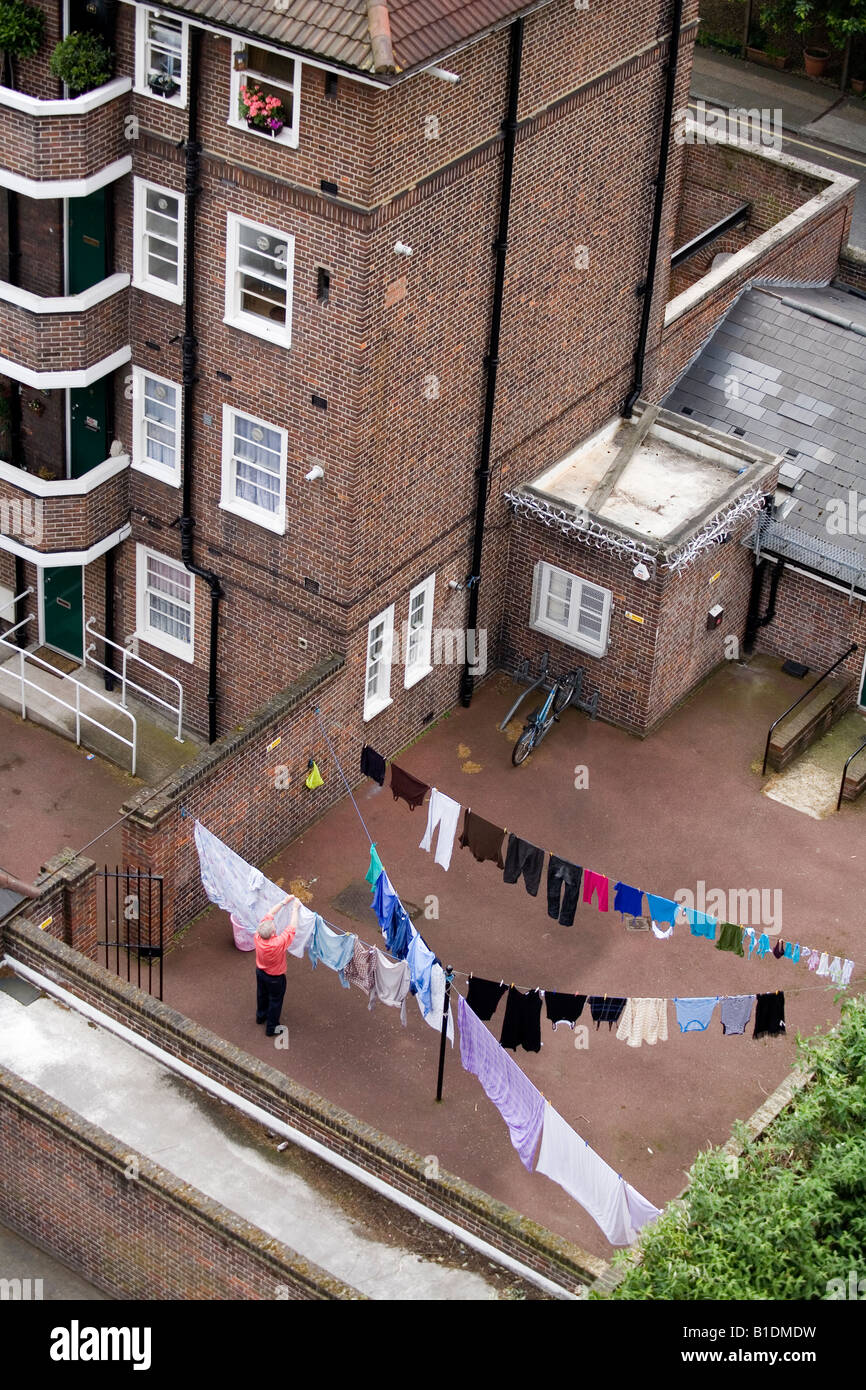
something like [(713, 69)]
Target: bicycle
[(540, 721)]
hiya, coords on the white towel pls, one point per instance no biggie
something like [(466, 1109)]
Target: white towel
[(445, 813)]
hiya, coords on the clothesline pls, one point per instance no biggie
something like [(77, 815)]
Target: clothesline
[(594, 882)]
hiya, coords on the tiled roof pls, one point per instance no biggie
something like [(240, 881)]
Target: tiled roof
[(786, 369), (411, 33)]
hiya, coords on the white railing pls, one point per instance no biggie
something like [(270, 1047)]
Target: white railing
[(127, 684), (24, 685)]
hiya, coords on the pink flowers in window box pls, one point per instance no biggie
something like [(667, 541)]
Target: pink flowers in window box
[(261, 110)]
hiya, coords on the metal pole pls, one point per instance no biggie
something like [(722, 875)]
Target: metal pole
[(449, 973), (21, 678)]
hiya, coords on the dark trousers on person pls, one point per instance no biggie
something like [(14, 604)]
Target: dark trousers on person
[(565, 878), (270, 990)]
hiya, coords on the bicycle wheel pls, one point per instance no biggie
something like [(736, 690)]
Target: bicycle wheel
[(562, 695), (523, 747)]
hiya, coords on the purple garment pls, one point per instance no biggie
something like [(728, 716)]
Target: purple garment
[(517, 1100)]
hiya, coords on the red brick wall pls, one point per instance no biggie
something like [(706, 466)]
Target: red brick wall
[(65, 342), (63, 147), (67, 1189), (814, 624), (71, 523)]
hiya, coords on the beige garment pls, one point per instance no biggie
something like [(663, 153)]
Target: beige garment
[(644, 1021)]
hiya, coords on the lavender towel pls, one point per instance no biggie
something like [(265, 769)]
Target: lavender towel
[(517, 1100)]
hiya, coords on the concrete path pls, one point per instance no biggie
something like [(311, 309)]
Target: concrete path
[(844, 125), (159, 1114)]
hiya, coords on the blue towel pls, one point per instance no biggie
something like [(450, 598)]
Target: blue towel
[(693, 1015), (662, 909), (628, 900), (334, 949)]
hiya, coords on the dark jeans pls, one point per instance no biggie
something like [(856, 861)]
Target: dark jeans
[(562, 877), (523, 858), (270, 990)]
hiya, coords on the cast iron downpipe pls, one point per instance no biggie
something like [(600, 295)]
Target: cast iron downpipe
[(658, 209), (189, 350), (491, 362)]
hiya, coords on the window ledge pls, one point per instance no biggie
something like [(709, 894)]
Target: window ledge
[(287, 138), (278, 525), (161, 475), (179, 102), (569, 641), (279, 337), (170, 292), (416, 674), (165, 644), (374, 707)]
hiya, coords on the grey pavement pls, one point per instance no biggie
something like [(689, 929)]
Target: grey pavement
[(819, 126), (21, 1260)]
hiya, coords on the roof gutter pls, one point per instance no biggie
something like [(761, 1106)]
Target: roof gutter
[(192, 151), (646, 289), (491, 362)]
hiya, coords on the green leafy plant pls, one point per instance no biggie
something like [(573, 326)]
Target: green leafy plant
[(787, 1220), (21, 28), (843, 19), (82, 61)]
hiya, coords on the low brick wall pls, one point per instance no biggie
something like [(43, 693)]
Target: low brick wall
[(65, 1187), (852, 268), (537, 1248)]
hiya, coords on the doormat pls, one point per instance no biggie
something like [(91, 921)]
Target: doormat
[(64, 664), (355, 900)]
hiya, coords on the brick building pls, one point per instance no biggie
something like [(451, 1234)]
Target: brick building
[(258, 379)]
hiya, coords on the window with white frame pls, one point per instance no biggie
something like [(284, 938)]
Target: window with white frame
[(156, 426), (254, 469), (571, 609), (380, 643), (265, 92), (161, 56), (165, 603), (259, 267), (418, 640), (158, 216)]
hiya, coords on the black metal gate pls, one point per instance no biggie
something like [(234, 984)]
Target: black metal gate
[(129, 917)]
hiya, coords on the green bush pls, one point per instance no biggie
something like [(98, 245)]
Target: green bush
[(21, 28), (792, 1218), (82, 61)]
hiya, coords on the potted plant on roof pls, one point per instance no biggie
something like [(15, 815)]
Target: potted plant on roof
[(21, 29), (82, 62), (261, 111)]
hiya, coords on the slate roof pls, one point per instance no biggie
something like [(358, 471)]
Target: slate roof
[(339, 31), (786, 369)]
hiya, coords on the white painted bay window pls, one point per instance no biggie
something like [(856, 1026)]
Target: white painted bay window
[(570, 609)]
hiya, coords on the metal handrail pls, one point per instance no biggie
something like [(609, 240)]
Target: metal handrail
[(126, 682), (845, 772), (74, 709), (13, 602), (806, 693)]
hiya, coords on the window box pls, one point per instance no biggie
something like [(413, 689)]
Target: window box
[(570, 609), (267, 83), (380, 645), (165, 603), (158, 223), (259, 269), (254, 470), (161, 56)]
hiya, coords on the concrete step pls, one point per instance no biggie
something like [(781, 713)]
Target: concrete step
[(809, 722)]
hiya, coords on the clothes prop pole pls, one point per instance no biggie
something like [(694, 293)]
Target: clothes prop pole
[(446, 1009)]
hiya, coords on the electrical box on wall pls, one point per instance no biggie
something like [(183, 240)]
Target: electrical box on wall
[(714, 617)]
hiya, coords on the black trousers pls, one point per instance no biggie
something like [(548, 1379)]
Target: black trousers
[(270, 990), (523, 858), (562, 877)]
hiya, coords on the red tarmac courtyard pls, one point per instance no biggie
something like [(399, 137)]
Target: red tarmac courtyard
[(665, 814)]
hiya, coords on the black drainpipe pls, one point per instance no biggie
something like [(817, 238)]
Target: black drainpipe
[(646, 289), (189, 349), (491, 362)]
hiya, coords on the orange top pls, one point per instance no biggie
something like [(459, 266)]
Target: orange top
[(271, 953)]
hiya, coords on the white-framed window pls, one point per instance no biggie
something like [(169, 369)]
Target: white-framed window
[(418, 639), (254, 469), (165, 603), (161, 55), (265, 92), (259, 267), (156, 423), (380, 646), (158, 217), (570, 609)]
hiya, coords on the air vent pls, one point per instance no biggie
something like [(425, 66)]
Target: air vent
[(224, 376), (330, 188), (736, 430), (319, 402), (332, 84), (154, 347), (792, 454), (312, 585), (686, 410), (323, 284)]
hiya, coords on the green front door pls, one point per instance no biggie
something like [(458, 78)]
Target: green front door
[(88, 427), (63, 597), (88, 258)]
